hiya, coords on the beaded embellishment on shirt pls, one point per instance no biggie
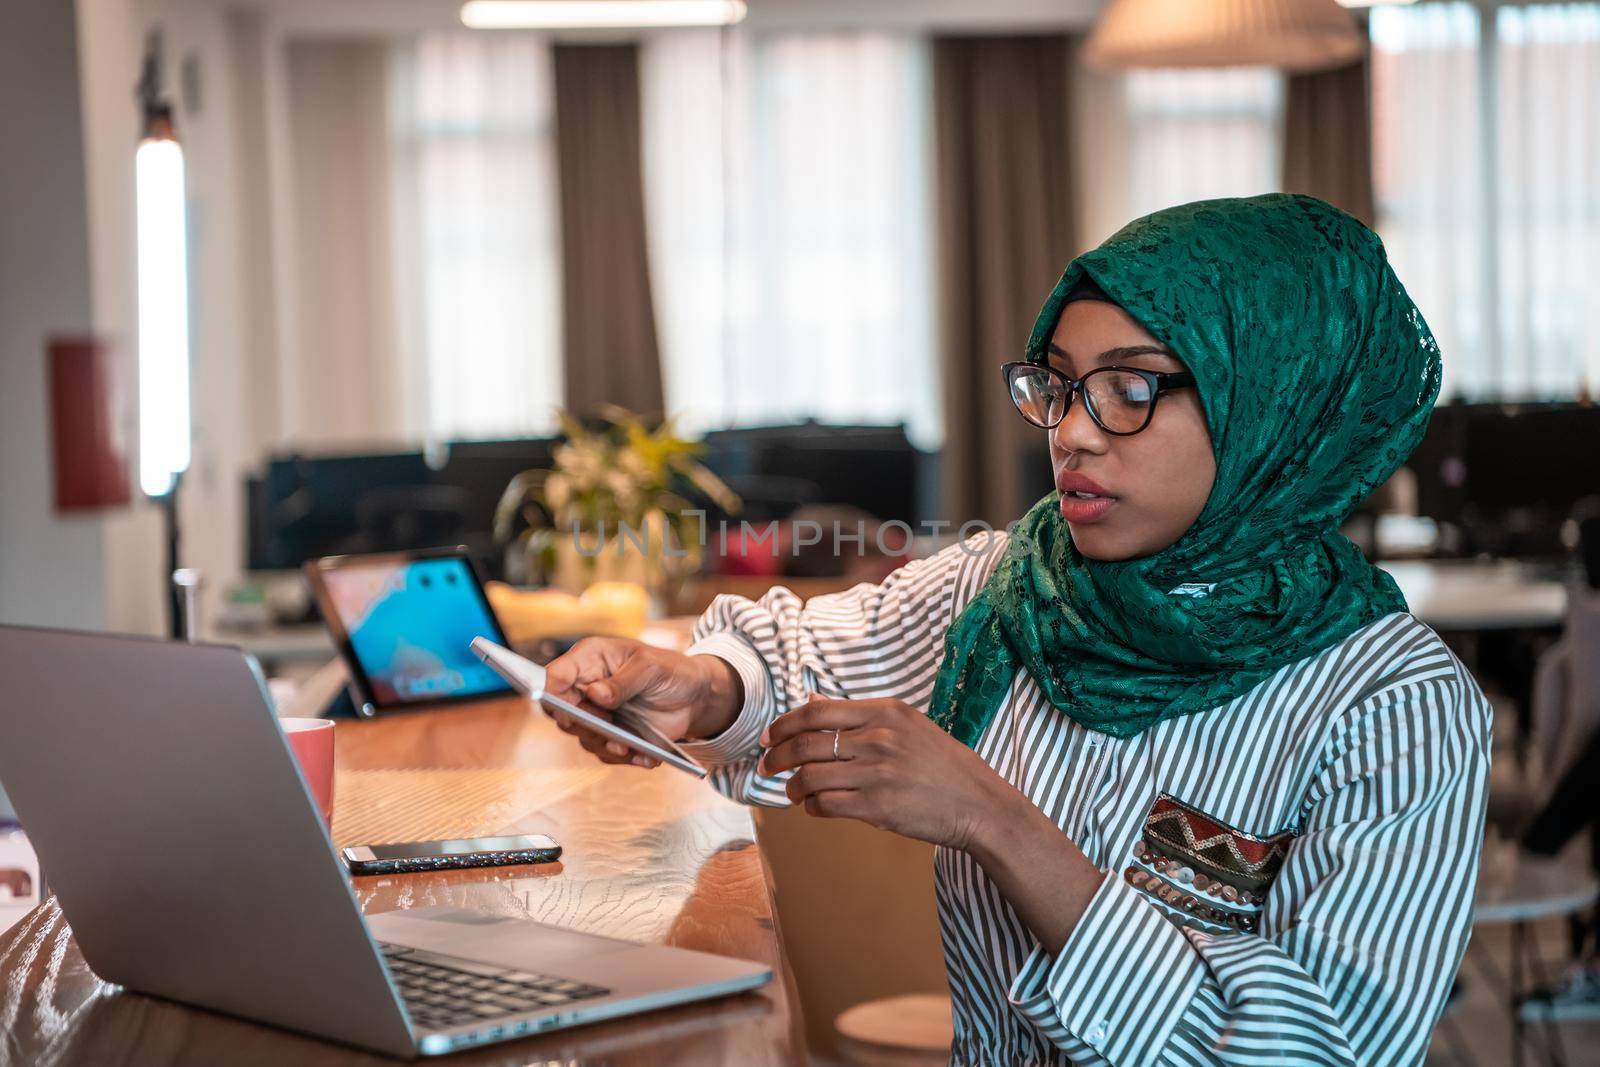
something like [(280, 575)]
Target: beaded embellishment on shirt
[(1203, 869), (1233, 857)]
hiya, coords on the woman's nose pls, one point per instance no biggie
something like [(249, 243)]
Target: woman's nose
[(1077, 431)]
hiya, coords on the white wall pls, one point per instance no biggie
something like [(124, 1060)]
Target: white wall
[(222, 262), (110, 43), (247, 378), (211, 500), (51, 568)]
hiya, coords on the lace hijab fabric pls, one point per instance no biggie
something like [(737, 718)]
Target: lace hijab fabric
[(1317, 375)]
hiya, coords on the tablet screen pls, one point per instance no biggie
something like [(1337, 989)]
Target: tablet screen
[(410, 625)]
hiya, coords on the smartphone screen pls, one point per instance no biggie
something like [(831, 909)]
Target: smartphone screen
[(459, 847)]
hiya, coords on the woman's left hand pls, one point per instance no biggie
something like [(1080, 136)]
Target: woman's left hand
[(895, 770)]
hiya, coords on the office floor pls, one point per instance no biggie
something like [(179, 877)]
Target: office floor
[(1477, 1031)]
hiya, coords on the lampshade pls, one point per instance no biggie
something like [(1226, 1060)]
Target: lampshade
[(1293, 35)]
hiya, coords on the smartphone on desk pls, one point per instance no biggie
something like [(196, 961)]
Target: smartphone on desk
[(413, 856)]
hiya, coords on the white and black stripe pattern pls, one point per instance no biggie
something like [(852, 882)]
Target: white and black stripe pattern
[(1375, 751)]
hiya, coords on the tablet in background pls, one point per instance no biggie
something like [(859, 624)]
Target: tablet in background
[(404, 624)]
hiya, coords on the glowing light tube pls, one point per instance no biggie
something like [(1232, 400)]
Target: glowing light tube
[(164, 436)]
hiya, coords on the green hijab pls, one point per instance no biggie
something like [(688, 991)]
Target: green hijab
[(1317, 375)]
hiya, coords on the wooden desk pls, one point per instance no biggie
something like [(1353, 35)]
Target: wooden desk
[(649, 855)]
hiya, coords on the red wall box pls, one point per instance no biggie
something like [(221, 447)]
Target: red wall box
[(89, 449)]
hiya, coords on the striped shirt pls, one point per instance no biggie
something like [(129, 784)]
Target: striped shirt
[(1366, 764)]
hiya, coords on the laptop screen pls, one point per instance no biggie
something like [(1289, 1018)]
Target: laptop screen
[(411, 623)]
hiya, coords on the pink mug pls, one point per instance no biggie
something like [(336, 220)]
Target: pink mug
[(312, 742)]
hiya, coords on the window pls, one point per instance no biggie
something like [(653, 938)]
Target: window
[(1200, 134), (1486, 144), (1428, 174), (476, 234), (787, 189), (1547, 211)]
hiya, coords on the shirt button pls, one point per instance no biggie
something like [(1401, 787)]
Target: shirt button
[(1097, 1032)]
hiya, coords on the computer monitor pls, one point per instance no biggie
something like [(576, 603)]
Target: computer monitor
[(875, 468), (1508, 476), (302, 507)]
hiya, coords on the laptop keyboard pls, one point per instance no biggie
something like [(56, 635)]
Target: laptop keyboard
[(443, 991)]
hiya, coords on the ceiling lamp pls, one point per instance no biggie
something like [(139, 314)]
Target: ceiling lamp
[(587, 14), (1293, 35)]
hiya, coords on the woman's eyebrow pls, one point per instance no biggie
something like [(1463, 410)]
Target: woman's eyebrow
[(1111, 355)]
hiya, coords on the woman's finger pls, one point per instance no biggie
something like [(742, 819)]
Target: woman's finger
[(589, 659), (597, 744), (631, 676), (819, 713), (836, 804), (807, 749), (602, 748), (820, 778)]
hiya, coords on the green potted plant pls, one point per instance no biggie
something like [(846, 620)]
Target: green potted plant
[(612, 506)]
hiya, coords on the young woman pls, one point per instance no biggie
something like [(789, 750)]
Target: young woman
[(1204, 791)]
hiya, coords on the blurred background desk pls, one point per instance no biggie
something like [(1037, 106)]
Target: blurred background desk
[(649, 855), (1498, 614), (1474, 595)]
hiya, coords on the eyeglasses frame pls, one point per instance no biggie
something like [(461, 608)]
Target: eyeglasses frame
[(1159, 381)]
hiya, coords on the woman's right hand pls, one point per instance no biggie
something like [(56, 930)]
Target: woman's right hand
[(682, 696)]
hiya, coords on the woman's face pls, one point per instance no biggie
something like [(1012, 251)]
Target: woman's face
[(1157, 480)]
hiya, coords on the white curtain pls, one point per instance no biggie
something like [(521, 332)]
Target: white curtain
[(1200, 134), (1486, 151), (477, 243), (338, 384), (1428, 176), (1547, 67), (787, 185)]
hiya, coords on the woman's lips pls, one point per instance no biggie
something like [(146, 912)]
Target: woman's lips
[(1083, 510), (1083, 499)]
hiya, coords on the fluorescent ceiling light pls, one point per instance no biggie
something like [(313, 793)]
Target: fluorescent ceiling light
[(579, 14)]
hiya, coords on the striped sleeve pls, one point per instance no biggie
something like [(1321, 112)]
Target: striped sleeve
[(1362, 931), (869, 641)]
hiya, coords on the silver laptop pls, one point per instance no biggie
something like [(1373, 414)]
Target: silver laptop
[(186, 851)]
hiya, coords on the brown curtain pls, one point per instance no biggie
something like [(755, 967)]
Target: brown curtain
[(1327, 138), (611, 353), (1005, 202)]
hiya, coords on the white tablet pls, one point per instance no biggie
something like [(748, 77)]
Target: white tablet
[(630, 728)]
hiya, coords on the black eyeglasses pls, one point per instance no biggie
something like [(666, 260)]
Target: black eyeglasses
[(1121, 400)]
